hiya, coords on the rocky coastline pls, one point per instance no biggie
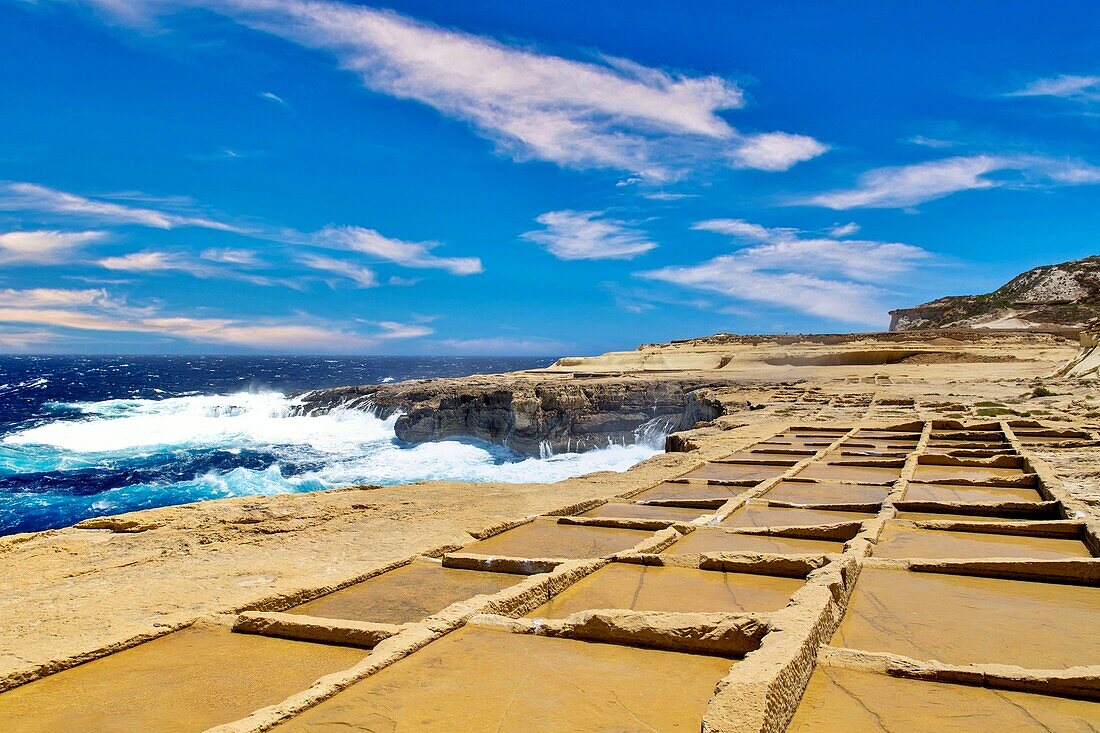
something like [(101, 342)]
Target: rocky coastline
[(529, 414)]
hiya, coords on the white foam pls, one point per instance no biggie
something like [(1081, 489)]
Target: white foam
[(349, 446), (221, 421)]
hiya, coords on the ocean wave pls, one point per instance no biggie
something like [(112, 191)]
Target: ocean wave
[(119, 455)]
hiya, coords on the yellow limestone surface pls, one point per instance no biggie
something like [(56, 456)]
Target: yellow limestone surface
[(902, 541), (481, 680), (719, 540), (963, 620), (641, 511), (915, 491), (186, 681), (800, 492), (408, 593), (846, 701), (644, 588), (759, 515), (548, 538), (691, 491)]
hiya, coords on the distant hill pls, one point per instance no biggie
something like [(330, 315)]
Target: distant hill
[(1052, 297)]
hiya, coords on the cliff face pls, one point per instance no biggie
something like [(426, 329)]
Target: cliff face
[(530, 417), (1062, 296)]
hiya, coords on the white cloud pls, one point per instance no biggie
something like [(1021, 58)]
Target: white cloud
[(824, 277), (730, 276), (51, 297), (740, 228), (96, 311), (580, 235), (601, 113), (909, 185), (230, 256), (273, 97), (394, 330), (1070, 172), (866, 261), (931, 142), (844, 230), (43, 246), (50, 244), (1066, 86), (407, 254), (33, 197), (668, 196), (25, 340), (159, 261), (776, 151), (507, 346), (364, 277)]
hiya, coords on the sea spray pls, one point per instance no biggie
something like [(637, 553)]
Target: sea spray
[(111, 456)]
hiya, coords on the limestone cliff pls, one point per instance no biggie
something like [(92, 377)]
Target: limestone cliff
[(1051, 297), (529, 416)]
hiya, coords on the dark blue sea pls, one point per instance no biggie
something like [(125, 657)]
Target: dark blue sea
[(84, 436)]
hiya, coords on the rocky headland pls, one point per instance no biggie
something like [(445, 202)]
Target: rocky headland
[(1063, 297)]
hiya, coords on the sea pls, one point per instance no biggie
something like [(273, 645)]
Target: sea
[(85, 436)]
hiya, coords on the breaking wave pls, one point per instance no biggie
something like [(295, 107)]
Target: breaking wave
[(119, 455)]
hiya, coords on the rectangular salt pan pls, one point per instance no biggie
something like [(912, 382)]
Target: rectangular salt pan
[(967, 620), (673, 589), (842, 472), (799, 492), (480, 680), (845, 700), (405, 594), (187, 681), (899, 541), (708, 540), (687, 492), (758, 515), (644, 511), (732, 472), (971, 494), (547, 538)]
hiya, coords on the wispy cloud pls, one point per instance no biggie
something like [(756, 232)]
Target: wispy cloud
[(507, 345), (741, 229), (600, 113), (19, 340), (844, 230), (231, 256), (16, 195), (931, 142), (668, 196), (831, 278), (395, 330), (363, 277), (583, 235), (43, 246), (96, 311), (157, 261), (228, 267), (909, 185), (398, 251), (50, 202), (273, 97), (53, 297), (1081, 88)]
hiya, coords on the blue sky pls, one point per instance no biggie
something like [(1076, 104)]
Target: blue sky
[(289, 176)]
